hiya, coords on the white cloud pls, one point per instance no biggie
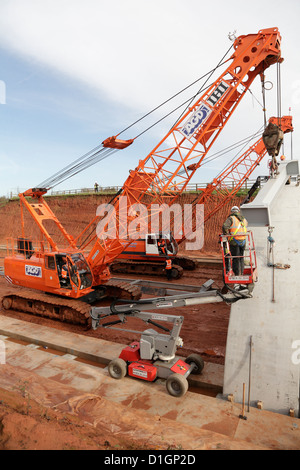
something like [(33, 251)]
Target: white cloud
[(8, 165), (136, 53), (133, 52)]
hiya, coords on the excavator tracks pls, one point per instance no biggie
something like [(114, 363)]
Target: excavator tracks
[(48, 306), (122, 290), (186, 263), (139, 267), (62, 309)]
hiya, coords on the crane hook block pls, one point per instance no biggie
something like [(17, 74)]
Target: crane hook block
[(272, 138), (115, 143)]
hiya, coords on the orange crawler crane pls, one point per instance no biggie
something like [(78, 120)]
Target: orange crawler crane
[(176, 157), (144, 256)]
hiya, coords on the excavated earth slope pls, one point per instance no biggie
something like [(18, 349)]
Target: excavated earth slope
[(26, 424), (76, 212)]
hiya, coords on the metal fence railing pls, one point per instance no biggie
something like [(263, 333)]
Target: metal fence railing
[(192, 187), (114, 189)]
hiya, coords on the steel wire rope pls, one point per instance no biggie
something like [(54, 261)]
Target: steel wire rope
[(46, 182), (264, 94), (59, 176), (279, 97), (172, 97), (74, 169), (95, 160), (279, 92), (234, 146), (203, 89)]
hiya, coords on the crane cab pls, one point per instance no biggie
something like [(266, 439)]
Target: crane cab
[(154, 247), (247, 274), (62, 273)]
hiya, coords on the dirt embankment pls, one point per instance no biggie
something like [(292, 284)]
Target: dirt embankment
[(76, 212), (24, 424), (205, 327)]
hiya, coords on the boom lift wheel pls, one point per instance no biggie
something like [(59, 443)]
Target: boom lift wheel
[(177, 385), (197, 361), (117, 368)]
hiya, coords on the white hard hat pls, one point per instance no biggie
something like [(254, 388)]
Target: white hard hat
[(235, 209)]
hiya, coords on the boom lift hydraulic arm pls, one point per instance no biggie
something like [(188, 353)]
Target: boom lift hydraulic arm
[(154, 356)]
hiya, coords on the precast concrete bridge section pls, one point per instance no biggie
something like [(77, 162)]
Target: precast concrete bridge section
[(263, 342)]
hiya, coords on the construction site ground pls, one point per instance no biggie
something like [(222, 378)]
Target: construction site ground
[(56, 393)]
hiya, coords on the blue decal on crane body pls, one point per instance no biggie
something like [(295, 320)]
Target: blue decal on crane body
[(199, 116), (35, 271), (196, 120)]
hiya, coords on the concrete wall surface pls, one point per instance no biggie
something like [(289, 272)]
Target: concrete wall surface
[(263, 343)]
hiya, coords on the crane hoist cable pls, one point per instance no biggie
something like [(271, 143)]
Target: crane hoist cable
[(279, 93), (263, 90), (218, 154), (202, 87), (208, 74), (100, 153)]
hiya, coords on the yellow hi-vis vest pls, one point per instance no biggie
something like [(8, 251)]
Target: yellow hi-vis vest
[(238, 229)]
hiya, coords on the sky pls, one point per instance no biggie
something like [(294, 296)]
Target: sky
[(74, 72)]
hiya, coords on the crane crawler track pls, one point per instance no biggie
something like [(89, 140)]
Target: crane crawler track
[(53, 307), (122, 290), (139, 267), (65, 310)]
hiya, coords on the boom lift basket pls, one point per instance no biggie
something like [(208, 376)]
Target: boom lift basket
[(249, 275)]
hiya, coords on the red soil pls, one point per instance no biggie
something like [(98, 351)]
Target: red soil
[(204, 331)]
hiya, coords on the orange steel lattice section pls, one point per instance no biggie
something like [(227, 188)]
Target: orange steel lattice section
[(181, 152), (176, 157), (228, 183)]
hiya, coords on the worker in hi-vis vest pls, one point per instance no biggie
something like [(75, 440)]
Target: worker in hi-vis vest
[(162, 248), (169, 268), (65, 271), (235, 226)]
